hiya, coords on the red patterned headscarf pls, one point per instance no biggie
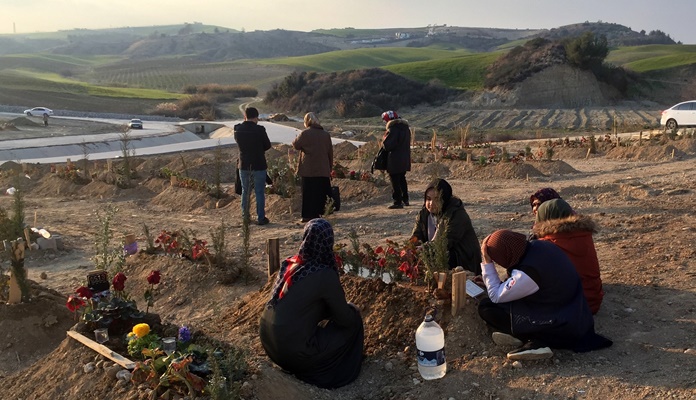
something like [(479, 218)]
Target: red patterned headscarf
[(506, 247), (316, 253)]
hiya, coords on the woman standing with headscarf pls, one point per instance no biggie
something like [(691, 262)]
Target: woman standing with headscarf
[(308, 328), (556, 222), (316, 160), (541, 303), (440, 206)]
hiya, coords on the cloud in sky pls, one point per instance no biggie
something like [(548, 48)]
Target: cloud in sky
[(674, 17)]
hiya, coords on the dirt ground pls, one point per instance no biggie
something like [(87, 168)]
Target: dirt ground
[(642, 197)]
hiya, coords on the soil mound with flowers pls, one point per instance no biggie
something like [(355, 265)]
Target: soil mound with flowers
[(639, 195)]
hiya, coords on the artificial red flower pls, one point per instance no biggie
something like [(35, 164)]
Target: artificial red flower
[(404, 267), (119, 281), (74, 303), (339, 261), (154, 277), (382, 262), (379, 250), (83, 291)]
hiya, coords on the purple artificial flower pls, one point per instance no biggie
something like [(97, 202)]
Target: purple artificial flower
[(184, 334)]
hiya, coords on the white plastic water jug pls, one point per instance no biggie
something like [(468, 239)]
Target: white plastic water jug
[(430, 348)]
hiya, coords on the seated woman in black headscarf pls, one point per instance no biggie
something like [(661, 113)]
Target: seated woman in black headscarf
[(308, 328), (441, 207), (540, 303)]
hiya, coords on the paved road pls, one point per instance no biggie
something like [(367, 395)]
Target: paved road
[(158, 137)]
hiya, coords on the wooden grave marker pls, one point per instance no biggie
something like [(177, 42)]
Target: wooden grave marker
[(273, 251)]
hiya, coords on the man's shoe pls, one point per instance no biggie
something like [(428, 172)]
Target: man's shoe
[(263, 221), (503, 339), (530, 351), (406, 203), (395, 206)]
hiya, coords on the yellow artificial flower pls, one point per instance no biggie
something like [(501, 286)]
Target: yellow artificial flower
[(141, 330)]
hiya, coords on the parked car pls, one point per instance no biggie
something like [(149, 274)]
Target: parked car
[(135, 124), (39, 111), (682, 114)]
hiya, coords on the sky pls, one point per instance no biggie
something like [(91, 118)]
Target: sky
[(674, 17)]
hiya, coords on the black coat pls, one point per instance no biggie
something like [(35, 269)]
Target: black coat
[(462, 242), (397, 141), (253, 142), (329, 356)]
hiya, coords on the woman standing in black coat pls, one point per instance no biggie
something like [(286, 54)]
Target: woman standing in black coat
[(397, 142)]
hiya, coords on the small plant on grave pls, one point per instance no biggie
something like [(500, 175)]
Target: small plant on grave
[(339, 171), (549, 153), (182, 373), (168, 242), (505, 156), (218, 163), (141, 338), (228, 371), (72, 174), (245, 258), (153, 279), (482, 161), (528, 151), (284, 178), (107, 309), (107, 257), (434, 254), (218, 238), (593, 144), (149, 240)]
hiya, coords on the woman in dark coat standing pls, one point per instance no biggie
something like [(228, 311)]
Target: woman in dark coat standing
[(397, 142), (316, 159), (540, 303), (441, 207), (308, 328)]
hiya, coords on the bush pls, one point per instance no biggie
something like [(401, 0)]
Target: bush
[(357, 93)]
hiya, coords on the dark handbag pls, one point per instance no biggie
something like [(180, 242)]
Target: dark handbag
[(336, 197), (237, 182), (380, 161)]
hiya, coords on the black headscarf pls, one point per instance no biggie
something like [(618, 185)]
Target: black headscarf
[(443, 189), (316, 253)]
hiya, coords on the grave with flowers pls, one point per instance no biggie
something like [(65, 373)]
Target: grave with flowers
[(166, 358)]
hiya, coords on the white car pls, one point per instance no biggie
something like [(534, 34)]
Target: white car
[(682, 114), (135, 124), (38, 111)]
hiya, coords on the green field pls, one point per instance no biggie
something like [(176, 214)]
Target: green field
[(362, 58), (653, 57), (463, 72), (47, 82)]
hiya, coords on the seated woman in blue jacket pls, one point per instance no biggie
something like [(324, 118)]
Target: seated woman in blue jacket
[(540, 305)]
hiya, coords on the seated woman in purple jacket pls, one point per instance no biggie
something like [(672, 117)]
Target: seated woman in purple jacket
[(541, 304)]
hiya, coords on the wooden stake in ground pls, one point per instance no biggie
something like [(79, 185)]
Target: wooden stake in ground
[(19, 288), (458, 291), (273, 251), (103, 350)]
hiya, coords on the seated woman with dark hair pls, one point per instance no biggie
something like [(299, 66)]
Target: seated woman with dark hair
[(308, 328), (439, 207), (541, 304), (556, 222)]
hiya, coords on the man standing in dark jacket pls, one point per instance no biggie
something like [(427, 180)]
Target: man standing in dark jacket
[(253, 142), (397, 142)]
